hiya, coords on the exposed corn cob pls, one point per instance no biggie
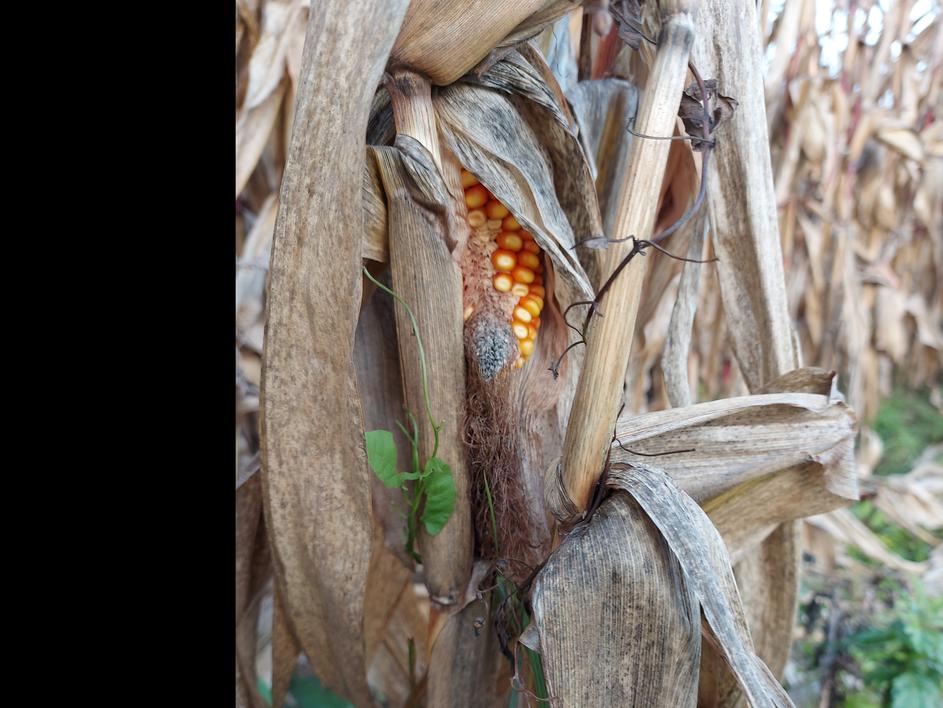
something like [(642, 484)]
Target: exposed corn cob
[(511, 259)]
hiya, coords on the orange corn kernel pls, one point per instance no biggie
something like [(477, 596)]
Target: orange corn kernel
[(509, 242), (526, 347), (520, 290), (520, 330), (538, 280), (529, 260), (476, 196), (504, 261), (522, 315), (502, 282), (476, 218), (536, 323), (531, 305), (468, 179), (519, 362), (531, 246), (538, 290), (510, 224), (531, 331), (496, 210), (522, 274)]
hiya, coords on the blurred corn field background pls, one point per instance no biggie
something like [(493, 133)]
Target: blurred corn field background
[(854, 109)]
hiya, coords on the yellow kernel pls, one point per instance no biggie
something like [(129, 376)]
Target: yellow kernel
[(522, 314), (531, 306), (531, 331), (494, 225), (538, 290), (526, 347), (520, 330), (502, 282), (531, 246), (476, 218), (509, 242), (496, 210), (522, 274), (468, 179), (520, 290), (535, 323), (519, 363), (469, 309), (504, 260), (510, 223), (476, 196), (529, 260)]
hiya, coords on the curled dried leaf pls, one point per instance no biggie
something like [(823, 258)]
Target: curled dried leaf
[(691, 110)]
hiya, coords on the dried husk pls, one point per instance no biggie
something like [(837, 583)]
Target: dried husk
[(489, 137), (734, 440), (706, 566), (420, 263), (314, 473), (617, 621), (445, 40)]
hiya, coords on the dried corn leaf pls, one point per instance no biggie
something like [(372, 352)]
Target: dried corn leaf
[(747, 514), (515, 76), (406, 622), (267, 66), (904, 141), (674, 360), (705, 564), (914, 501), (572, 179), (539, 21), (602, 110), (713, 446), (445, 40), (375, 238), (251, 278), (536, 94), (847, 528), (253, 128), (389, 590), (617, 621), (314, 476)]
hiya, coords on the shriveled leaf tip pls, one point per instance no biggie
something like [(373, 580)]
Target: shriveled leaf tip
[(691, 110)]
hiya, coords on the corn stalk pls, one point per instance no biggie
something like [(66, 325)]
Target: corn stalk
[(467, 110)]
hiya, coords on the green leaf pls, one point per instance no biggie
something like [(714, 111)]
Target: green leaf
[(440, 495), (381, 454), (861, 700), (911, 690)]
